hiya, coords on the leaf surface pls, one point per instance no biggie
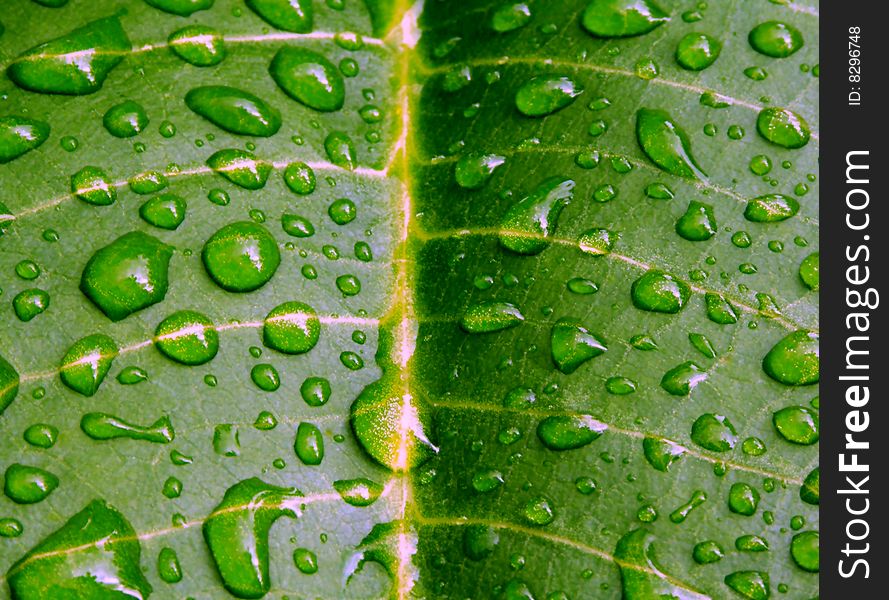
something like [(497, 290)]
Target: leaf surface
[(538, 313)]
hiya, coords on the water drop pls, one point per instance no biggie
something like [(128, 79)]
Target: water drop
[(76, 63), (29, 303), (234, 110), (804, 550), (309, 444), (573, 344), (658, 291), (358, 492), (41, 435), (227, 440), (102, 426), (797, 424), (743, 499), (622, 18), (340, 150), (707, 552), (237, 534), (241, 257), (188, 337), (490, 316), (641, 577), (241, 168), (714, 432), (182, 8), (771, 208), (474, 170), (666, 144), (539, 511), (106, 564), (679, 515), (87, 362), (529, 223), (752, 585), (697, 51), (783, 127), (125, 119), (93, 186), (542, 96), (289, 15), (775, 39), (698, 224), (751, 543), (28, 485), (265, 377), (661, 453), (19, 135), (198, 45), (168, 568), (794, 360), (597, 242), (309, 78), (300, 178), (568, 432), (620, 386)]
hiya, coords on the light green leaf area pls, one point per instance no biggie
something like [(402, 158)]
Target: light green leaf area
[(562, 288)]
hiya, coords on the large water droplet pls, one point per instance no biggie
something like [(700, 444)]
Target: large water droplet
[(683, 378), (166, 211), (127, 275), (358, 492), (234, 110), (126, 119), (568, 432), (661, 453), (797, 424), (622, 18), (573, 344), (87, 363), (510, 17), (473, 170), (743, 499), (93, 186), (795, 359), (771, 208), (290, 15), (490, 316), (9, 383), (666, 144), (541, 96), (775, 39), (658, 291), (752, 585), (291, 328), (309, 444), (237, 534), (804, 550), (19, 135), (714, 432), (95, 554), (529, 223), (183, 8), (241, 257), (102, 426), (188, 337), (698, 224), (198, 45), (641, 577), (76, 63), (697, 51), (308, 77), (24, 484), (783, 127), (168, 568), (241, 168)]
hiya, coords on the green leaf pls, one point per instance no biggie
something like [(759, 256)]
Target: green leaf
[(456, 300)]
